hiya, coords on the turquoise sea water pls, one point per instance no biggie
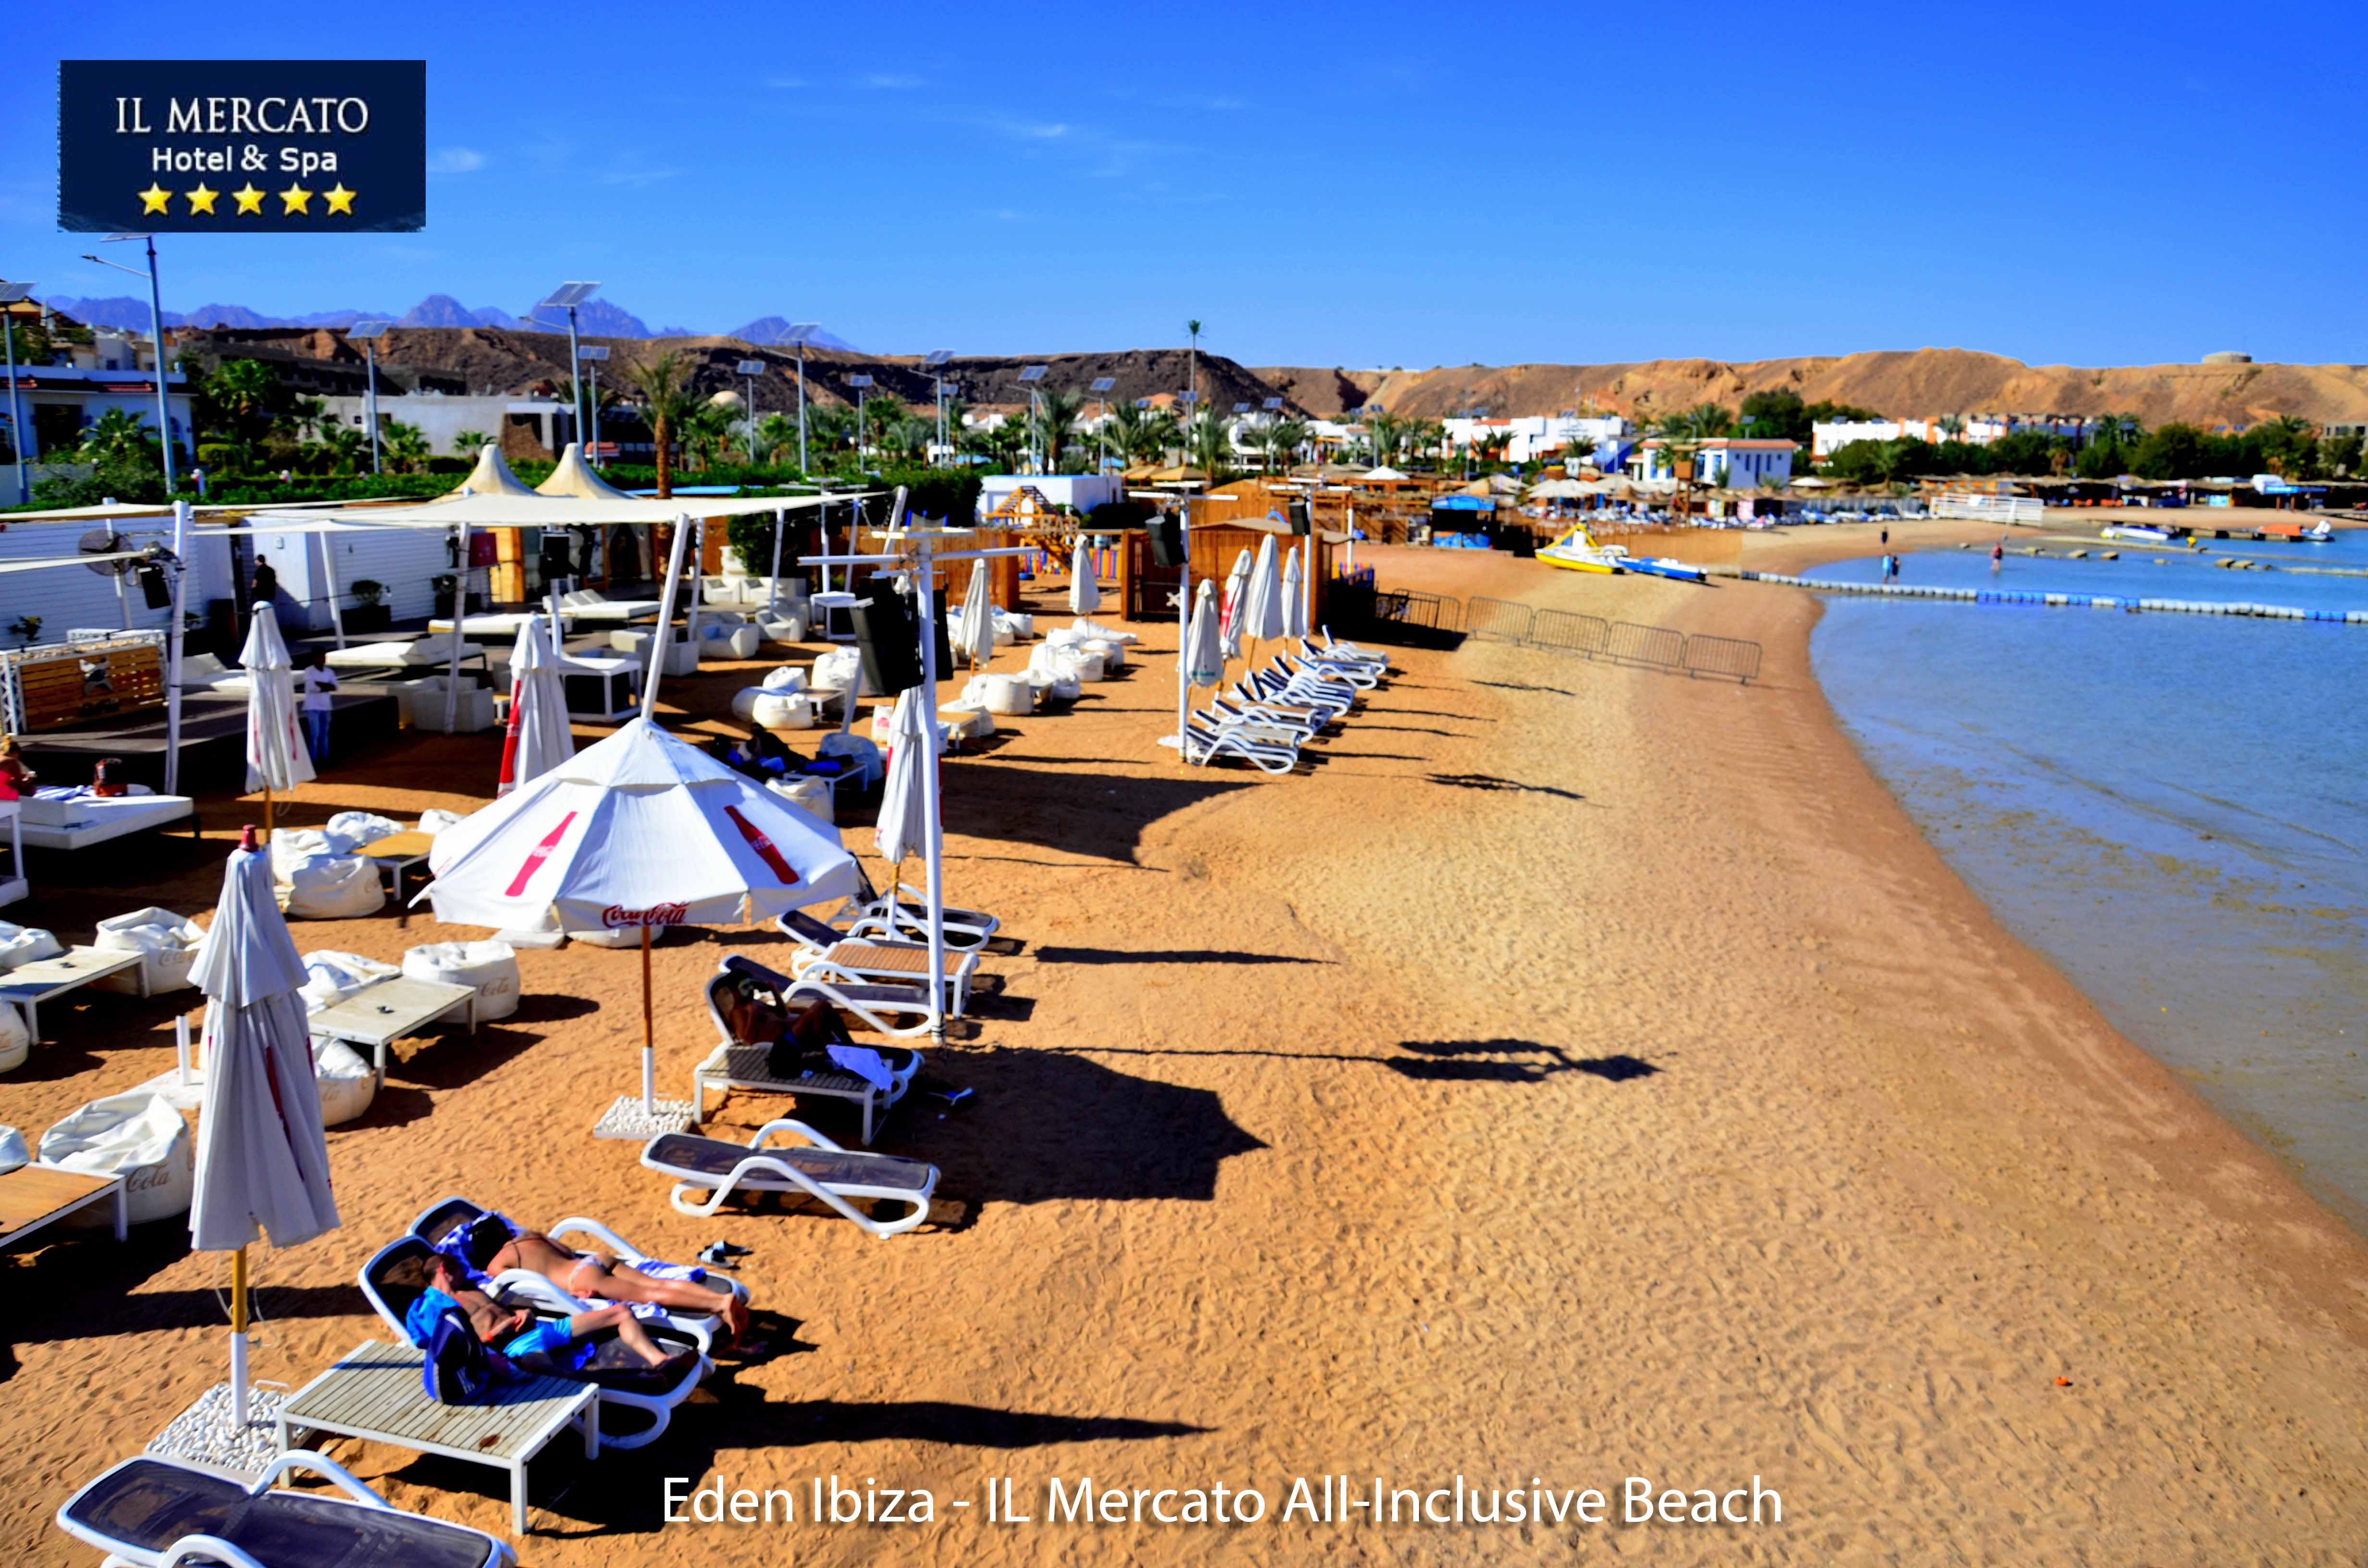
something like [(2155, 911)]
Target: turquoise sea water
[(2174, 808)]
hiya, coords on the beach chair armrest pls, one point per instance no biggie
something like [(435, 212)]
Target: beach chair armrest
[(790, 1124), (323, 1466), (626, 1252), (523, 1287), (212, 1551), (765, 1165)]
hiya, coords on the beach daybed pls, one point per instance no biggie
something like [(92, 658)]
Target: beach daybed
[(741, 1059), (440, 1218), (397, 1275), (496, 626), (839, 1177), (590, 604), (71, 817), (154, 1512), (421, 653)]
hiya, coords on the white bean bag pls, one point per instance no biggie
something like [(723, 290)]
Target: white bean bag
[(740, 642), (969, 720), (434, 820), (1013, 624), (1087, 630), (790, 626), (1113, 654), (15, 1044), (26, 944), (332, 976), (806, 792), (347, 1083), (167, 945), (358, 828), (836, 670), (774, 711), (13, 1152), (859, 751), (787, 680), (490, 966), (333, 887), (138, 1136), (1006, 694)]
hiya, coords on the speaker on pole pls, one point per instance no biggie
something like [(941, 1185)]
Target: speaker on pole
[(886, 639), (1167, 540), (1303, 518)]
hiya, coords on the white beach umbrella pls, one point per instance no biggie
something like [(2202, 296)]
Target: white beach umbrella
[(1085, 593), (1262, 613), (902, 829), (1204, 658), (262, 1161), (276, 757), (1229, 614), (1294, 596), (638, 830), (539, 738), (974, 632)]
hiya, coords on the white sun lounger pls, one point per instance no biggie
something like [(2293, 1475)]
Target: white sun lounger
[(591, 605), (838, 1177), (425, 653), (1203, 743), (156, 1512), (437, 1220), (1256, 718), (397, 1274)]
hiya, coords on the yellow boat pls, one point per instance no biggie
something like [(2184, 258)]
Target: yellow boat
[(1578, 551)]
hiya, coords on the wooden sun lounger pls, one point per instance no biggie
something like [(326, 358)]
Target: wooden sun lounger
[(149, 1512), (37, 1195), (374, 1393), (821, 1170)]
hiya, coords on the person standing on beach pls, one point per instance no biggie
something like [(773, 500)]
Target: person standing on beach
[(319, 681), (1886, 540), (1997, 555)]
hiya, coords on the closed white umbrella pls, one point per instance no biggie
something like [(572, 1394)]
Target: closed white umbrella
[(1294, 597), (262, 1161), (974, 632), (1085, 593), (637, 831), (1205, 658), (902, 829), (1229, 614), (540, 738), (1261, 612), (276, 756)]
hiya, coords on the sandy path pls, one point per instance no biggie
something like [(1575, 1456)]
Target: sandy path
[(1578, 1073)]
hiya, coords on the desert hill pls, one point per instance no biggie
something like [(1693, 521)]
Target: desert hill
[(1914, 384)]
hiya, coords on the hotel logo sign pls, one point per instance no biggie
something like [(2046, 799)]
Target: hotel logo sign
[(241, 146)]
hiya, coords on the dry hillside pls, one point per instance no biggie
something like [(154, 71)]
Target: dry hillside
[(1911, 384)]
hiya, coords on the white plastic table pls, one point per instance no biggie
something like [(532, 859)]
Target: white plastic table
[(393, 1009), (30, 984)]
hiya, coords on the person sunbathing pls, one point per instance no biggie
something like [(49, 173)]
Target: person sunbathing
[(490, 1245), (566, 1344)]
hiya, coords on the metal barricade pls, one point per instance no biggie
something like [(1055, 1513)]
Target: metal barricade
[(1722, 656), (1562, 632), (1499, 620), (1631, 643)]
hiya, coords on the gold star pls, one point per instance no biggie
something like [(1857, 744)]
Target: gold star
[(202, 200), (155, 199), (250, 199), (295, 199), (340, 199)]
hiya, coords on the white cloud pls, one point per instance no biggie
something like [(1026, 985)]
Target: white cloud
[(456, 161)]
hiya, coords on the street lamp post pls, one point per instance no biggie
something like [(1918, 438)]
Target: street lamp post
[(799, 334), (11, 294), (936, 363), (1102, 384), (1372, 437), (593, 354), (566, 297), (863, 385), (751, 369), (1192, 410), (370, 332), (1034, 376), (156, 329)]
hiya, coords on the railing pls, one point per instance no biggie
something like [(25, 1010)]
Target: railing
[(1631, 643), (1498, 621), (1562, 632), (1723, 656), (1553, 632)]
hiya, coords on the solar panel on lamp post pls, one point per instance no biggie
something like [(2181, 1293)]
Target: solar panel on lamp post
[(751, 369), (566, 297), (594, 355), (14, 294), (800, 335), (1032, 375), (935, 362), (156, 333), (368, 333)]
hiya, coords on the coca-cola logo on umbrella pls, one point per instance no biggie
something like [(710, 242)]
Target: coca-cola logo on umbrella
[(620, 919)]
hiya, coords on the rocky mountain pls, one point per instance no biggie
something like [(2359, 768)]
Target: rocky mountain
[(126, 313), (768, 329), (443, 310)]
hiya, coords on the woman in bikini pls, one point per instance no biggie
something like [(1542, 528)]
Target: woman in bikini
[(566, 1341), (593, 1278)]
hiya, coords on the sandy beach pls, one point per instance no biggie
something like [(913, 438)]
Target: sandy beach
[(1578, 1072)]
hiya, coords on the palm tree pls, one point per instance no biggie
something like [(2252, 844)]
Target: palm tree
[(1281, 439), (832, 425), (1952, 425), (1193, 327), (308, 414), (467, 443), (668, 402), (1054, 424), (404, 446), (119, 436), (1209, 441), (1387, 432), (910, 436), (346, 446), (775, 432)]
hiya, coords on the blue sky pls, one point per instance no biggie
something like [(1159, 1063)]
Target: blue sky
[(1373, 185)]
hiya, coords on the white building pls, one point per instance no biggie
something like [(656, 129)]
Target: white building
[(1827, 437), (1732, 461), (1538, 437)]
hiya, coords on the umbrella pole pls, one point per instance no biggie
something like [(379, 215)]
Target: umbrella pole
[(649, 1035), (238, 1339), (266, 811)]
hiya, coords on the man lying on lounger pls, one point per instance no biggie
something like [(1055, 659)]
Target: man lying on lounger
[(565, 1343), (490, 1245)]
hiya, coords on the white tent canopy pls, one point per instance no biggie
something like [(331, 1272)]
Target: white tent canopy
[(491, 476), (534, 511), (574, 477)]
